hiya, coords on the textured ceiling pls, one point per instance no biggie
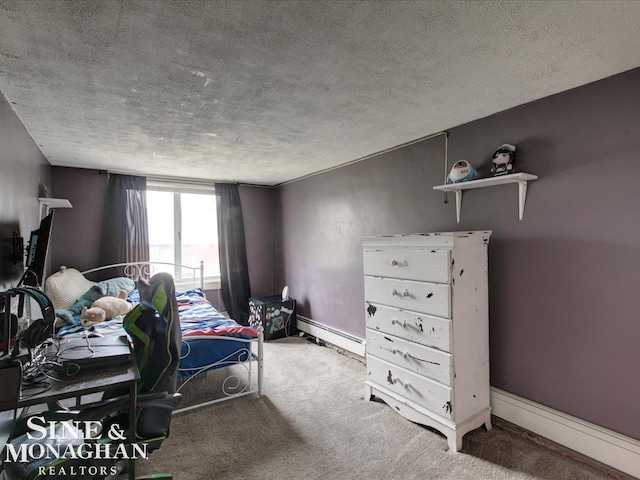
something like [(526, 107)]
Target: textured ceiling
[(268, 91)]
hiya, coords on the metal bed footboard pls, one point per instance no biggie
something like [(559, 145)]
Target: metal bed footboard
[(232, 385)]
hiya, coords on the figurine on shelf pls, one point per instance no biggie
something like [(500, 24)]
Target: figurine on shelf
[(462, 171), (503, 159)]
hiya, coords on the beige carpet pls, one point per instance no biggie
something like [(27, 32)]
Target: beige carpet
[(313, 423)]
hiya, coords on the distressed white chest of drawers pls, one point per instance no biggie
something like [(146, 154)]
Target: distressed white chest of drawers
[(427, 314)]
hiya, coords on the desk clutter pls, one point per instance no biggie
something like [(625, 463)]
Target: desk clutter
[(40, 443), (137, 379), (58, 361), (170, 338)]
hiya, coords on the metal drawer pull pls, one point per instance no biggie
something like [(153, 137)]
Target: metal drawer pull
[(398, 322), (405, 384), (400, 352), (404, 294), (395, 263)]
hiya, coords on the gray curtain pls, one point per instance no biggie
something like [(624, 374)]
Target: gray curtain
[(234, 274), (125, 230)]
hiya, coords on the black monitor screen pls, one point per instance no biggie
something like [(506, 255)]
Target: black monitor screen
[(11, 253), (37, 252), (31, 252)]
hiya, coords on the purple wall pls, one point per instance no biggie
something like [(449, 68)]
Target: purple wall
[(75, 241), (257, 212), (563, 282), (22, 169)]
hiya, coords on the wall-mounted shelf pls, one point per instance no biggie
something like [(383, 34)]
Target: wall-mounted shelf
[(520, 178), (46, 204)]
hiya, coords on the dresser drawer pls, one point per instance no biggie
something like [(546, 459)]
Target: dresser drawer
[(431, 298), (425, 265), (416, 358), (413, 326), (423, 391)]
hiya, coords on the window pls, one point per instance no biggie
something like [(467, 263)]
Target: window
[(183, 229)]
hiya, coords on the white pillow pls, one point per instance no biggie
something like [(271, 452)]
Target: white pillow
[(65, 287)]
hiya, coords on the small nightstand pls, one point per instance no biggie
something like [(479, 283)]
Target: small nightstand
[(277, 316)]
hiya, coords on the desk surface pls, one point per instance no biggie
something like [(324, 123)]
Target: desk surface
[(98, 379), (84, 383)]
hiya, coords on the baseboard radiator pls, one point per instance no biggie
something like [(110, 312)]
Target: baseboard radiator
[(607, 447), (331, 335), (610, 448)]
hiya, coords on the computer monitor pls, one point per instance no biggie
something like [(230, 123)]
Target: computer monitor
[(37, 253)]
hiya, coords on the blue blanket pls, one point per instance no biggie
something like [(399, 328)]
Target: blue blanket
[(106, 288)]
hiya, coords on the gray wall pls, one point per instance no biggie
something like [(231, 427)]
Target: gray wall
[(564, 282), (76, 237), (22, 170)]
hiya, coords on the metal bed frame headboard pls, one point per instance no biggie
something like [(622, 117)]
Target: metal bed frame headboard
[(145, 270)]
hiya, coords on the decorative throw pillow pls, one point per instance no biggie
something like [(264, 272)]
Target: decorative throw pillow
[(65, 287)]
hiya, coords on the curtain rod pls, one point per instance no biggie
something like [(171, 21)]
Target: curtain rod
[(198, 181)]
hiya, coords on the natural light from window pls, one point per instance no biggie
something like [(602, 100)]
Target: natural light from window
[(183, 229)]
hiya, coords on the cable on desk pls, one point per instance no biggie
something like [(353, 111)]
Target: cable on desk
[(46, 386), (67, 371)]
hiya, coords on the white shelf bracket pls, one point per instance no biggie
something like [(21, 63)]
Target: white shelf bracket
[(47, 204), (520, 178), (522, 196)]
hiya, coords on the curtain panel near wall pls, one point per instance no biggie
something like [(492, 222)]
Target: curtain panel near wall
[(125, 230), (234, 274)]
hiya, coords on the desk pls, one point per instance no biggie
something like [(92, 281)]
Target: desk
[(94, 381), (86, 383)]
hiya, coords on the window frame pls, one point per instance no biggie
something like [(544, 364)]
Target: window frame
[(211, 282)]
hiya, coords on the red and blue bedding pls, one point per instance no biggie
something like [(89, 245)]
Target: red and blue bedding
[(200, 322)]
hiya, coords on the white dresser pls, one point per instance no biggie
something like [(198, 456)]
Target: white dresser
[(427, 314)]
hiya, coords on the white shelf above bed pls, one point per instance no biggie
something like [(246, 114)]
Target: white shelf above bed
[(46, 204), (520, 178)]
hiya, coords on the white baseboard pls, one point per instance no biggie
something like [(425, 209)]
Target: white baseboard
[(331, 335), (610, 448)]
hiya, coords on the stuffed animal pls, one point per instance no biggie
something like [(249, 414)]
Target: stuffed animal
[(462, 171), (503, 159), (105, 308)]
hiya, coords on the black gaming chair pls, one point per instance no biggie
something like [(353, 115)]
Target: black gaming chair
[(154, 328)]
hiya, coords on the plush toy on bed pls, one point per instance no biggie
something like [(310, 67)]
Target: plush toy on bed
[(105, 308)]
